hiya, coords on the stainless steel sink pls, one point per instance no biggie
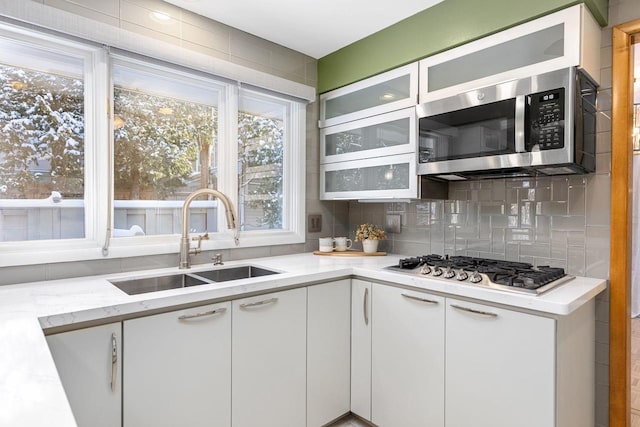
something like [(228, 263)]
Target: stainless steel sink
[(175, 281), (160, 283), (234, 273)]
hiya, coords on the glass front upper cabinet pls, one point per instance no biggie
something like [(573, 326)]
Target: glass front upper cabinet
[(382, 135), (570, 37), (392, 177), (389, 91)]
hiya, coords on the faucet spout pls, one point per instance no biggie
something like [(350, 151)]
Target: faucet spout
[(185, 249)]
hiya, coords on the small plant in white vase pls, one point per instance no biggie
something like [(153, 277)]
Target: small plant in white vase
[(370, 235)]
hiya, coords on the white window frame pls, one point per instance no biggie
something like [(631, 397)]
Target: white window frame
[(98, 243)]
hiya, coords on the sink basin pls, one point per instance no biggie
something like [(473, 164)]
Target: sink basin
[(234, 273), (160, 283), (176, 281)]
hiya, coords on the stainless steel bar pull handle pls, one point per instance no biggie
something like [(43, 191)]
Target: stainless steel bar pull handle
[(256, 304), (472, 310), (365, 306), (114, 362), (205, 313), (428, 301)]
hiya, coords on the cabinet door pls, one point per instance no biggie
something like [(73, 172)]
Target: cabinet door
[(361, 348), (269, 360), (500, 367), (178, 368), (389, 91), (407, 358), (376, 178), (546, 44), (382, 135), (328, 351), (90, 367)]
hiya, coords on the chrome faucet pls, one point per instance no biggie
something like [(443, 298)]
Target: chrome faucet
[(185, 249)]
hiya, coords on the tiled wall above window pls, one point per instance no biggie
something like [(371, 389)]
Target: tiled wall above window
[(171, 24)]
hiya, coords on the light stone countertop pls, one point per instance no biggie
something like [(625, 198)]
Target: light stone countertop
[(30, 390)]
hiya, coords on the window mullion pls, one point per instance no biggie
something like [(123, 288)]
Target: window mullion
[(228, 155)]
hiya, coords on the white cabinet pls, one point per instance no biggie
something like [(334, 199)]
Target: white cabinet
[(178, 368), (500, 368), (407, 384), (90, 367), (389, 91), (269, 360), (382, 135), (328, 351), (361, 348), (377, 178), (570, 37)]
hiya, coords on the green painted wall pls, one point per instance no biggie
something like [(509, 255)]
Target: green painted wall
[(444, 26)]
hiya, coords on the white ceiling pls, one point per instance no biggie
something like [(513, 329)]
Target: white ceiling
[(313, 27)]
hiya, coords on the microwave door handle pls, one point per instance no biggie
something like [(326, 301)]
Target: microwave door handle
[(519, 124)]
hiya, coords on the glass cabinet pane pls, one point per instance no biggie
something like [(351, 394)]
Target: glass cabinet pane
[(529, 49), (383, 177), (372, 96), (369, 137)]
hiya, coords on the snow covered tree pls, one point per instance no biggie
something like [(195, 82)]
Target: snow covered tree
[(42, 134)]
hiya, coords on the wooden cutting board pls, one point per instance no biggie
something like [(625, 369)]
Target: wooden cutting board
[(349, 253)]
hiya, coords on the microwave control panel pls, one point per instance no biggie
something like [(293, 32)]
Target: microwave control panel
[(545, 120)]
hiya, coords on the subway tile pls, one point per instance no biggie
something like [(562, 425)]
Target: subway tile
[(106, 7), (65, 270), (411, 248), (104, 14), (598, 204), (603, 121), (484, 227), (603, 142), (498, 189), (603, 163), (257, 66), (155, 5), (493, 208), (22, 274), (527, 213), (288, 61), (214, 38), (597, 244), (577, 200), (155, 35), (559, 189), (576, 261), (535, 250), (519, 235), (311, 73), (605, 78), (251, 48), (149, 262), (552, 208), (542, 228), (567, 223), (604, 100), (278, 250), (205, 50), (576, 238), (512, 252)]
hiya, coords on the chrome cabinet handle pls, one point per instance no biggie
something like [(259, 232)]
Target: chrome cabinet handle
[(114, 362), (365, 306), (471, 310), (255, 304), (428, 301), (205, 313)]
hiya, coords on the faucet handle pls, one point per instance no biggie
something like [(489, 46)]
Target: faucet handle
[(205, 236), (217, 259)]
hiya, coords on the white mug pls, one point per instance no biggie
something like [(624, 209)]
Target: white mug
[(326, 244), (342, 244)]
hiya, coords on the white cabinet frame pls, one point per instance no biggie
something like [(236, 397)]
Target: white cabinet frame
[(410, 192), (581, 34), (409, 147), (411, 70)]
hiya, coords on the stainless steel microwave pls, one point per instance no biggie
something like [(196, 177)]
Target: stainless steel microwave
[(540, 125)]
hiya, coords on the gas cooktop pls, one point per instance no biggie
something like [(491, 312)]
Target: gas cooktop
[(490, 273)]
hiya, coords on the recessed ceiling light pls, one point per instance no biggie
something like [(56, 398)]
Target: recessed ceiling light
[(160, 16)]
